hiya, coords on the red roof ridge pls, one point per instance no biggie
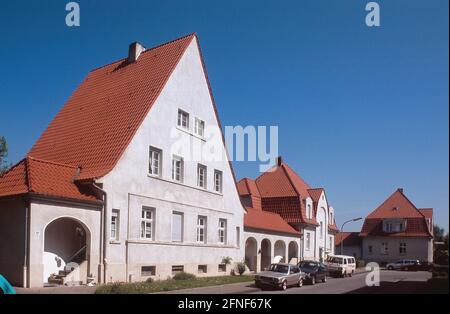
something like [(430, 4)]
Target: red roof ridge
[(194, 34), (51, 162)]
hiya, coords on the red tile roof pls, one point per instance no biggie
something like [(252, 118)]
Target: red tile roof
[(284, 192), (427, 212), (350, 238), (261, 220), (99, 120), (247, 186), (43, 178), (397, 206)]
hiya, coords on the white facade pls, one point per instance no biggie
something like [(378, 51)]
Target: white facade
[(391, 249), (317, 241), (131, 188)]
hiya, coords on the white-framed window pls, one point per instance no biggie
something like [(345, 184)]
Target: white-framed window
[(147, 223), (201, 229), (384, 248), (155, 161), (402, 248), (218, 178), (308, 241), (115, 219), (201, 176), (222, 231), (309, 212), (183, 119), (321, 230), (199, 127), (177, 168), (177, 226)]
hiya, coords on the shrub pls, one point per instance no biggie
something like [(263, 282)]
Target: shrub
[(149, 280), (184, 276), (226, 260), (240, 268)]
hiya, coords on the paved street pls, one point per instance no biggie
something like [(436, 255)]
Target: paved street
[(391, 282)]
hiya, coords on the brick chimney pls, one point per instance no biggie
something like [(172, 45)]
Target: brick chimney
[(400, 190), (135, 51)]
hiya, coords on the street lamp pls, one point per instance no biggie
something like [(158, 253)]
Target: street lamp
[(342, 230)]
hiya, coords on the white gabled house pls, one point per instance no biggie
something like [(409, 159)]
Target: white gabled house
[(123, 181)]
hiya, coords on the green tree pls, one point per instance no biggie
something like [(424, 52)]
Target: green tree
[(438, 233), (3, 154)]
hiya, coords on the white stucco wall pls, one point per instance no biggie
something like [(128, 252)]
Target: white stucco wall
[(41, 215), (416, 248), (129, 186), (273, 237)]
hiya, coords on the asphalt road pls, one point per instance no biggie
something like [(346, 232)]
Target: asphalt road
[(390, 282)]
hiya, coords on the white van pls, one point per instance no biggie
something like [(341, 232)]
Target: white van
[(341, 265)]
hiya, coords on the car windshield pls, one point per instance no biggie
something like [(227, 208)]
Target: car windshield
[(279, 268), (307, 265), (333, 259)]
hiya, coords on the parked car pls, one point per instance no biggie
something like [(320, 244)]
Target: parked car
[(341, 265), (280, 276), (314, 271), (404, 264)]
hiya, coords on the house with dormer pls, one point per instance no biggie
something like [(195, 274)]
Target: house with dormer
[(123, 186), (397, 230), (282, 192)]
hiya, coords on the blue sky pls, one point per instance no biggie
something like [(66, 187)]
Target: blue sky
[(361, 111)]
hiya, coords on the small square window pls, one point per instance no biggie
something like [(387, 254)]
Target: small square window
[(177, 269), (202, 269), (222, 268), (148, 271)]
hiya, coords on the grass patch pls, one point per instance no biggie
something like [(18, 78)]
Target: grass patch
[(169, 285)]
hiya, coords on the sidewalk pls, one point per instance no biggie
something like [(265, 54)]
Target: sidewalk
[(57, 290)]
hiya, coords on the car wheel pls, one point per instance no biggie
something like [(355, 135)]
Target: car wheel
[(284, 285), (324, 278), (300, 282), (350, 274), (313, 280), (390, 268), (406, 269), (344, 274)]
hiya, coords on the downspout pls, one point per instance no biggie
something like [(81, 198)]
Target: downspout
[(26, 283), (103, 227)]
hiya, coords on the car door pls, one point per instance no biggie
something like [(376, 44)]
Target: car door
[(293, 275), (320, 272)]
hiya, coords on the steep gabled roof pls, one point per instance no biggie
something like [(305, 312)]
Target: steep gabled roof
[(261, 220), (247, 187), (34, 176), (99, 120), (397, 205)]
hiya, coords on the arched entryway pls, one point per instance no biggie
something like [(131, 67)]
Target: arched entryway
[(251, 253), (293, 252), (280, 252), (266, 254), (66, 247)]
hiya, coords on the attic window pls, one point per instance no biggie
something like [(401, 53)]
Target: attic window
[(395, 208)]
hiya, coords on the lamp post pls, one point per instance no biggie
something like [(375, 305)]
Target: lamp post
[(342, 230)]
